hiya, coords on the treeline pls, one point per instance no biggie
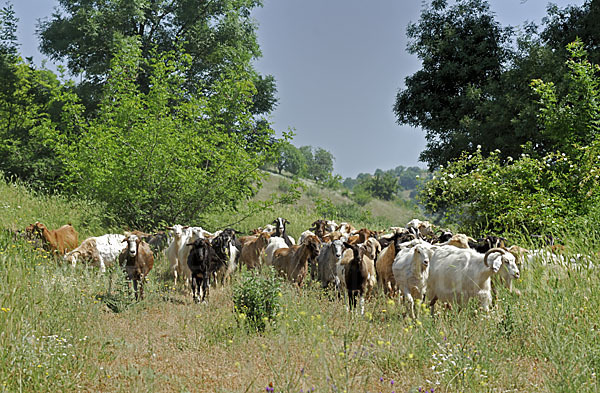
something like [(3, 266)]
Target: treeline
[(167, 120), (316, 163)]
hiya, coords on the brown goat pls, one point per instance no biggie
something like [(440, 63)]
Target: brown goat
[(253, 249), (59, 240), (361, 236), (292, 262), (137, 259), (385, 276)]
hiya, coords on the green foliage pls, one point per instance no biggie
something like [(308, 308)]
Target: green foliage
[(383, 186), (572, 119), (8, 31), (349, 212), (563, 26), (220, 37), (290, 159), (473, 86), (164, 155), (461, 50), (332, 182), (530, 193), (256, 298), (35, 108), (483, 194), (321, 166)]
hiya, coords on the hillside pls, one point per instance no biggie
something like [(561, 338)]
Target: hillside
[(383, 213)]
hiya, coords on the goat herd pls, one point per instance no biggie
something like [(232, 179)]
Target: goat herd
[(413, 261)]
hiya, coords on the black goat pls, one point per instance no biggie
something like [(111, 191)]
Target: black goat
[(203, 263), (356, 277), (485, 244), (228, 252)]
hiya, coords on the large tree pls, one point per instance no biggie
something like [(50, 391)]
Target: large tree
[(219, 36), (165, 155), (473, 87), (565, 25), (462, 49)]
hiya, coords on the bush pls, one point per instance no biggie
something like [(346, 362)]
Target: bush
[(256, 298)]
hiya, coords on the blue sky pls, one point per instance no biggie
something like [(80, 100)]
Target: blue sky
[(338, 66)]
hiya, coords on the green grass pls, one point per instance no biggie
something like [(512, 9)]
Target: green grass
[(65, 329)]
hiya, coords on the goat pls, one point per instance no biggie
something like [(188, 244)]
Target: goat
[(504, 275), (102, 251), (253, 250), (292, 262), (383, 267), (459, 240), (329, 257), (60, 241), (361, 236), (227, 251), (180, 238), (203, 262), (357, 276), (345, 228), (422, 229), (411, 269), (307, 233), (157, 241), (280, 231), (320, 228), (275, 243), (137, 260), (456, 274), (487, 243)]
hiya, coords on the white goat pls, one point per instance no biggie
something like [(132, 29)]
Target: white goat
[(178, 250), (411, 270), (456, 274), (101, 251), (329, 257), (275, 243), (304, 235)]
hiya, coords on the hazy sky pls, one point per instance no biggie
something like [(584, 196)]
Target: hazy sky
[(338, 66)]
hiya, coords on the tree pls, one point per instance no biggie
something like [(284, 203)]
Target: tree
[(564, 26), (538, 194), (33, 105), (383, 185), (572, 119), (290, 159), (322, 165), (462, 50), (165, 155), (220, 37)]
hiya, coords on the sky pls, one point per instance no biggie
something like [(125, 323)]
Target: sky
[(338, 65)]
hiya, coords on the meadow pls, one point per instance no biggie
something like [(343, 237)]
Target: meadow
[(77, 330)]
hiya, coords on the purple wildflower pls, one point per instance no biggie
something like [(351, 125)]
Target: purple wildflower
[(380, 379), (392, 382)]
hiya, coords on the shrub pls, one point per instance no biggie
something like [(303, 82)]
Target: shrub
[(256, 298)]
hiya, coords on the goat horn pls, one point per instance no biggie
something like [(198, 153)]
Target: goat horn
[(491, 251)]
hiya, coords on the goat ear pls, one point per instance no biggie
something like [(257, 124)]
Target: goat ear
[(497, 263), (124, 240)]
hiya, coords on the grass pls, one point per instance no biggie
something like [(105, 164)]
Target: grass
[(65, 329)]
